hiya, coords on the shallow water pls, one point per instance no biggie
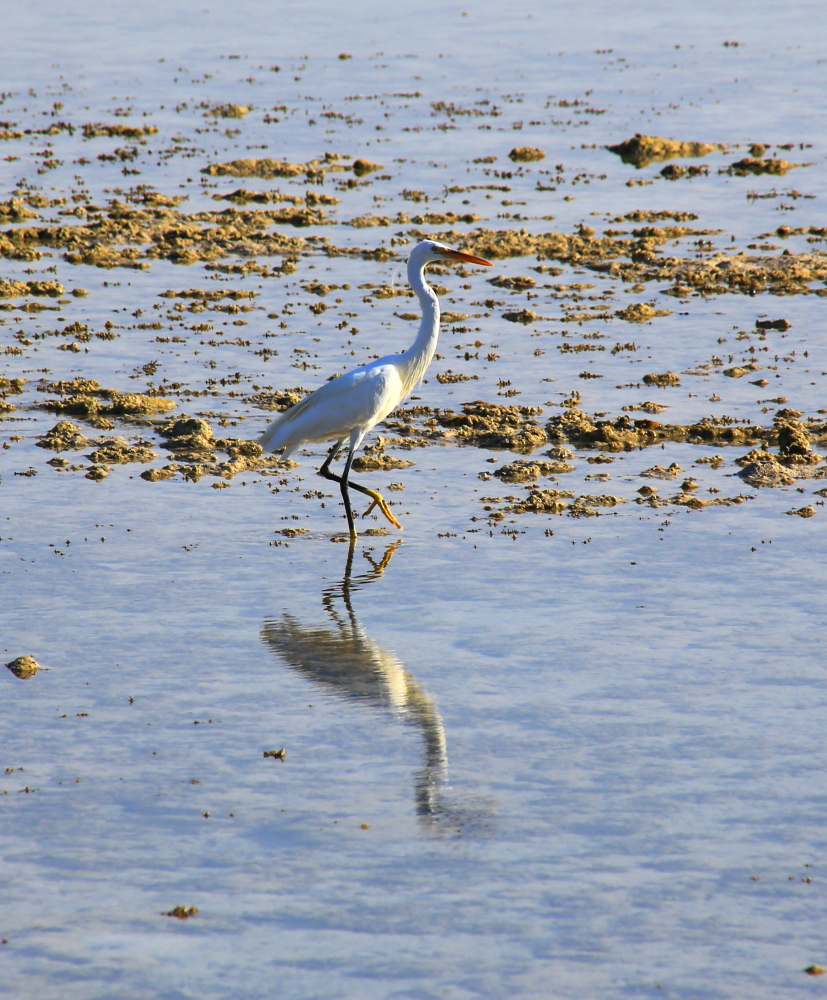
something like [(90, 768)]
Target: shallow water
[(540, 755)]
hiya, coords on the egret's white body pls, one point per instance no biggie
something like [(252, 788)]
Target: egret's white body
[(347, 407)]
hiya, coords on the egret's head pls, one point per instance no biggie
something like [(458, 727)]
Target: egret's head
[(429, 251)]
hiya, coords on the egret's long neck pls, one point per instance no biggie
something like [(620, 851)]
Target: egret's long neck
[(418, 356)]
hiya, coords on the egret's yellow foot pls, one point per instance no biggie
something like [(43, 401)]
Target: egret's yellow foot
[(380, 502)]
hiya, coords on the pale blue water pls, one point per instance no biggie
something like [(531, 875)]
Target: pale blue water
[(591, 763)]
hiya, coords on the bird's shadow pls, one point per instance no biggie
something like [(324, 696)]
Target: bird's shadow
[(340, 656)]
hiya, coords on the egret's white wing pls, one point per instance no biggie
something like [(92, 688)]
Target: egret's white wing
[(356, 400)]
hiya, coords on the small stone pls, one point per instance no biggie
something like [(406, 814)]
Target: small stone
[(664, 379), (768, 473), (525, 154), (658, 471), (803, 511), (24, 667)]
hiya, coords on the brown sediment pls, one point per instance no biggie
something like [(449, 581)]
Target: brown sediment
[(241, 196), (550, 502), (15, 210), (640, 312), (64, 436), (265, 168), (227, 111), (542, 502), (401, 219), (116, 239), (688, 499), (785, 274), (524, 316), (793, 437), (369, 221), (647, 406), (379, 463), (491, 425), (495, 426), (51, 288), (526, 154), (361, 167), (583, 505), (673, 172), (208, 296), (190, 439), (658, 471), (131, 235), (245, 456), (12, 289), (450, 377), (754, 455), (518, 283), (803, 511), (755, 165), (117, 451), (24, 667), (155, 475), (281, 399), (527, 470), (644, 215), (16, 289), (442, 218), (84, 397), (663, 379), (95, 130), (767, 472), (641, 150), (143, 195)]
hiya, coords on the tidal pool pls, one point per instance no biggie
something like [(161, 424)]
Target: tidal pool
[(562, 736)]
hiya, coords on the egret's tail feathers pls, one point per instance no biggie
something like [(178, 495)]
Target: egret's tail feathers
[(278, 436), (269, 438)]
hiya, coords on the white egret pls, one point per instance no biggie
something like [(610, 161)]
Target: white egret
[(347, 407)]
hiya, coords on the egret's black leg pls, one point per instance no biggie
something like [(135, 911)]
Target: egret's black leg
[(343, 487), (377, 498), (325, 469)]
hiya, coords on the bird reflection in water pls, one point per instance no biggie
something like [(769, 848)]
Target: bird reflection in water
[(346, 661)]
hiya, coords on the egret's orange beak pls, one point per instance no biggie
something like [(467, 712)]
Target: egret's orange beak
[(467, 257)]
